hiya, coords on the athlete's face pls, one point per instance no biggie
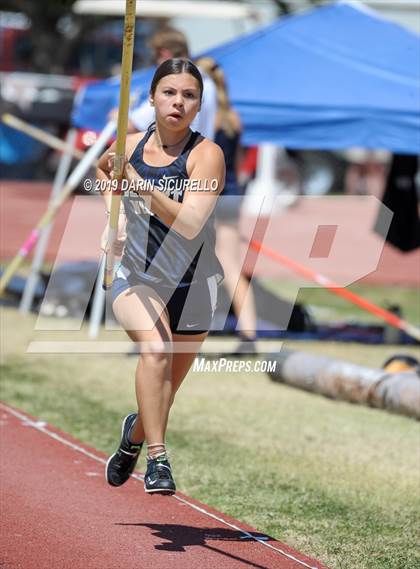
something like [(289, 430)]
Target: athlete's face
[(176, 100)]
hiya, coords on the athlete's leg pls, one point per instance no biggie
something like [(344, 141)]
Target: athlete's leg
[(182, 362), (142, 313), (238, 287)]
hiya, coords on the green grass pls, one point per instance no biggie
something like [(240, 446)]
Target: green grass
[(327, 306), (336, 481)]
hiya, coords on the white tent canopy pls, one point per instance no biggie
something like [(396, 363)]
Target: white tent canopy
[(167, 9)]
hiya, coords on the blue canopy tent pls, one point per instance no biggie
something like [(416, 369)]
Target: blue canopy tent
[(333, 77)]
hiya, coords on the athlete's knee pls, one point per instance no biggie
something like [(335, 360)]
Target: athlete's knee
[(157, 353)]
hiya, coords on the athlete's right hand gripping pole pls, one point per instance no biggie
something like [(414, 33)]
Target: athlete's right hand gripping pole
[(126, 66)]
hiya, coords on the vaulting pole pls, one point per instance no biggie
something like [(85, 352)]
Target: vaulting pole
[(126, 68), (74, 179), (333, 287), (41, 246), (41, 135)]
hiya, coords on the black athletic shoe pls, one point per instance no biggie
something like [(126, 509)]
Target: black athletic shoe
[(121, 464), (158, 477)]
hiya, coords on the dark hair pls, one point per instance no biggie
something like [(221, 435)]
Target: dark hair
[(176, 66)]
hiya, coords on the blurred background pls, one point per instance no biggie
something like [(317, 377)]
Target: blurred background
[(321, 120), (49, 50), (328, 94)]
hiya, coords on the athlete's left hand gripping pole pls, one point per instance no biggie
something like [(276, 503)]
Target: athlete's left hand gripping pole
[(126, 66)]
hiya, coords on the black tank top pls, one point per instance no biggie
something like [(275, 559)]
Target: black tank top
[(154, 251)]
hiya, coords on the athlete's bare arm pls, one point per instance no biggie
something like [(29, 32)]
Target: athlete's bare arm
[(206, 169)]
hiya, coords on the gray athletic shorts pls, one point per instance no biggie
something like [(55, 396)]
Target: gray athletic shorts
[(190, 308)]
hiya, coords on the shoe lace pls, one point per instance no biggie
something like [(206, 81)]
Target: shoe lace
[(162, 472), (162, 468)]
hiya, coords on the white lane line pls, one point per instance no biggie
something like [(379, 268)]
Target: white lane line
[(40, 426)]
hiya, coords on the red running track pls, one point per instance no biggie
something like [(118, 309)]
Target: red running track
[(57, 512)]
